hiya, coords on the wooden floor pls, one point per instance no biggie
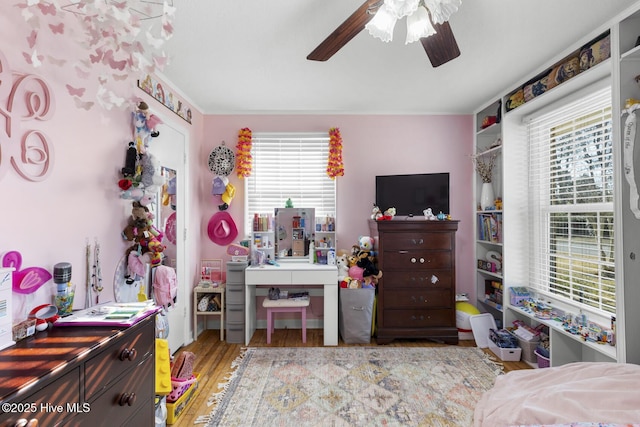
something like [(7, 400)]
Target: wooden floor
[(214, 358)]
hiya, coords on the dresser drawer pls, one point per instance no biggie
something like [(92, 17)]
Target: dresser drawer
[(125, 397), (418, 298), (48, 405), (417, 241), (431, 279), (114, 360), (235, 295), (416, 260), (418, 318), (235, 313)]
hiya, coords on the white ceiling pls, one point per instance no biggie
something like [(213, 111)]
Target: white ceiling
[(249, 56)]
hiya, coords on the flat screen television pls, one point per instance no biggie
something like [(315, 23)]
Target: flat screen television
[(412, 194)]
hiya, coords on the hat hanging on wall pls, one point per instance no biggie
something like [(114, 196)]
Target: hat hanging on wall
[(222, 160), (222, 229)]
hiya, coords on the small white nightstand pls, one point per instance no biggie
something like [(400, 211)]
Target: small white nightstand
[(200, 291)]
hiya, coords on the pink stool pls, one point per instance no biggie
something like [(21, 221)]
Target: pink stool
[(285, 306)]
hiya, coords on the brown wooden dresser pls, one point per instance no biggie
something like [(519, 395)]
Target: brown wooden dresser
[(81, 376), (416, 294)]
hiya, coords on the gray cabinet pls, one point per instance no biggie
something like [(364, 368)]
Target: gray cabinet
[(235, 302)]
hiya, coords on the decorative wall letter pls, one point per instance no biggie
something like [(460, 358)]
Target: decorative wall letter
[(23, 100)]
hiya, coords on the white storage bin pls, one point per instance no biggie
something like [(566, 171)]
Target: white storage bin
[(506, 354)]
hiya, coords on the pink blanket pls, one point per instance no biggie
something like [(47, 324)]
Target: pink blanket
[(577, 392)]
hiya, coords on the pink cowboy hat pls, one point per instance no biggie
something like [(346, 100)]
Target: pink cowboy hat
[(221, 229)]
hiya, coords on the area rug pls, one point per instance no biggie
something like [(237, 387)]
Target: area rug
[(354, 386)]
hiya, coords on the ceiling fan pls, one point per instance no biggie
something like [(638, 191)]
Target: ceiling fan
[(440, 47)]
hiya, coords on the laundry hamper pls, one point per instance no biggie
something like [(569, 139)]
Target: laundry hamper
[(355, 315)]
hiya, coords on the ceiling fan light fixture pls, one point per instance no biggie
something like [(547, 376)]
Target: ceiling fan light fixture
[(382, 24), (401, 8), (419, 25), (441, 10)]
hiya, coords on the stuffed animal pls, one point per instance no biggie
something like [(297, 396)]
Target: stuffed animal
[(144, 126), (155, 249), (376, 213), (342, 262), (138, 223), (356, 272), (366, 261), (365, 243), (150, 177)]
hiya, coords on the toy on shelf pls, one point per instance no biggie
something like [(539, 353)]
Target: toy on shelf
[(210, 272)]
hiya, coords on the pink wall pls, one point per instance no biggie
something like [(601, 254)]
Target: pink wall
[(52, 220), (373, 145)]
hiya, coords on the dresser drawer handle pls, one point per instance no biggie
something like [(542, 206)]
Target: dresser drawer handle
[(127, 399), (22, 422), (422, 261), (413, 260), (417, 242), (127, 354)]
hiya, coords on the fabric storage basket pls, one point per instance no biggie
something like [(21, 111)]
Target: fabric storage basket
[(355, 315)]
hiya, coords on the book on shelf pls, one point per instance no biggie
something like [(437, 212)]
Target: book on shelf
[(490, 227)]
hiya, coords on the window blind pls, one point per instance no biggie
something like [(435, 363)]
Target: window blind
[(571, 202), (289, 166)]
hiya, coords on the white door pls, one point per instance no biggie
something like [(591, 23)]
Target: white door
[(170, 149)]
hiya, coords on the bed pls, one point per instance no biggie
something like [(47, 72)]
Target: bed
[(576, 394)]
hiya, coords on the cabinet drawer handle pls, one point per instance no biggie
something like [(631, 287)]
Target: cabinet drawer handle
[(22, 422), (127, 354), (127, 399), (417, 242)]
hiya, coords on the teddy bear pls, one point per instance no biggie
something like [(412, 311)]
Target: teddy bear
[(367, 262), (138, 223)]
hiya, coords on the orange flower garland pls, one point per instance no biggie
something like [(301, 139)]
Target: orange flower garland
[(243, 155), (335, 167)]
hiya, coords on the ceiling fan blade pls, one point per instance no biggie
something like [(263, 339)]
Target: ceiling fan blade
[(442, 46), (345, 32)]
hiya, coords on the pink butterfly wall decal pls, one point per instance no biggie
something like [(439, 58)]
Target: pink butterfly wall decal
[(57, 29), (113, 63), (31, 39), (75, 91), (33, 59), (84, 105), (27, 280), (47, 8)]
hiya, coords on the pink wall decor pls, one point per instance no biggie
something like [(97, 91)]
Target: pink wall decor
[(118, 39), (25, 280), (23, 100)]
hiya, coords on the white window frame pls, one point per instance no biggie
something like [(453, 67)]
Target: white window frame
[(289, 165), (578, 258)]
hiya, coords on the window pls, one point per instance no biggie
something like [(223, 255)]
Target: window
[(289, 166), (571, 203)]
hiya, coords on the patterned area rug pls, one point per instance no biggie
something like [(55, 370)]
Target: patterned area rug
[(354, 386)]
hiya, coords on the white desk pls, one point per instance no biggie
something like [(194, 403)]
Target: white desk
[(292, 274)]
